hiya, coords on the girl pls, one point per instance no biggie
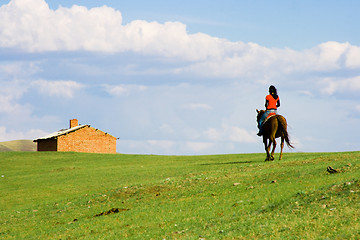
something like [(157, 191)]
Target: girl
[(272, 103)]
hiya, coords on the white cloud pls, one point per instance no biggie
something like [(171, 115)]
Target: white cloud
[(253, 61), (9, 135), (57, 88), (334, 85), (230, 133), (164, 146), (10, 93), (166, 128), (306, 93), (328, 55), (214, 134), (146, 146), (122, 89), (34, 27), (19, 69), (196, 106), (353, 57), (8, 105), (197, 147)]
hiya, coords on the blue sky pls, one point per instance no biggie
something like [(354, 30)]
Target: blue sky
[(181, 77)]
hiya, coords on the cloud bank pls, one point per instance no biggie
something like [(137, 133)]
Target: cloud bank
[(169, 90), (33, 27)]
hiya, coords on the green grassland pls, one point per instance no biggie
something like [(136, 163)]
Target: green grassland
[(49, 195)]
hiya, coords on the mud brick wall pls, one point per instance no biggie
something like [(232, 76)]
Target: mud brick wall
[(87, 139)]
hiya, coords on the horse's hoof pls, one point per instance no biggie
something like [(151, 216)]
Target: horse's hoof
[(272, 158)]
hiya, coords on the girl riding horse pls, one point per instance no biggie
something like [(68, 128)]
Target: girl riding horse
[(272, 103)]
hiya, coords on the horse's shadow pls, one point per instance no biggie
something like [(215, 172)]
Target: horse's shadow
[(209, 164)]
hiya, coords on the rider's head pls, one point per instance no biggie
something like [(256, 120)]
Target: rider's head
[(272, 90)]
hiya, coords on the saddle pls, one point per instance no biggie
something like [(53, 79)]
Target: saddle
[(272, 114)]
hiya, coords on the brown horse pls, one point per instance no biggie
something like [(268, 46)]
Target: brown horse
[(273, 128)]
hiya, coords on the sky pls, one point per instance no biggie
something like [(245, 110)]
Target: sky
[(182, 77)]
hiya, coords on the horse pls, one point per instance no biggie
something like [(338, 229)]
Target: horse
[(274, 127)]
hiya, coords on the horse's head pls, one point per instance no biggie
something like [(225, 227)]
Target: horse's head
[(259, 114)]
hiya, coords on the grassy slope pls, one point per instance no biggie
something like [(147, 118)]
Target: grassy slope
[(18, 146), (58, 195)]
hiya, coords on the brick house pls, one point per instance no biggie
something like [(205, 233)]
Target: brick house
[(78, 138)]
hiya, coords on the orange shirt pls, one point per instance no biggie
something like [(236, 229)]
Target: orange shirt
[(272, 102)]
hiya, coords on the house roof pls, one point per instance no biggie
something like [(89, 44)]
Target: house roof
[(61, 132)]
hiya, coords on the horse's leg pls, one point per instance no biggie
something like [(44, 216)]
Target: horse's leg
[(272, 136), (282, 146), (273, 150), (266, 149), (269, 146)]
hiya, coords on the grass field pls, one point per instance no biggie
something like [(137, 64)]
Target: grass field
[(50, 195)]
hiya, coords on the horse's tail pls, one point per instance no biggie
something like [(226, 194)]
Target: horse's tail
[(283, 126)]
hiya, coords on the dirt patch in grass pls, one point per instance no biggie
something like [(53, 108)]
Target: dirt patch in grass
[(63, 169), (139, 191), (111, 211)]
